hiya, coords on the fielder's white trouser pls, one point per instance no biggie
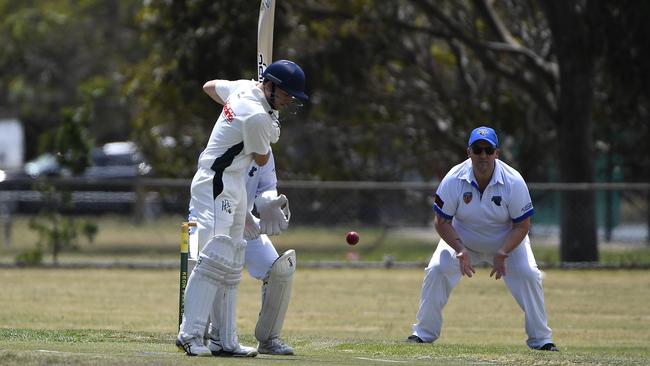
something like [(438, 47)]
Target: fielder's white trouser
[(216, 276), (523, 279)]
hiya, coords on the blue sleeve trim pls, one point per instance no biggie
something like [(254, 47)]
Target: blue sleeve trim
[(437, 210), (523, 217)]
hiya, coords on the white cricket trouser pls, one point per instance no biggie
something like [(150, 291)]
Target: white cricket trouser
[(523, 279), (220, 211), (221, 215), (260, 255)]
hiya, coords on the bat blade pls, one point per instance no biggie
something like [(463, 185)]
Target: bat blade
[(265, 36)]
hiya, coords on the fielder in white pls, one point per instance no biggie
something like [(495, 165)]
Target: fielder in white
[(483, 211), (243, 133)]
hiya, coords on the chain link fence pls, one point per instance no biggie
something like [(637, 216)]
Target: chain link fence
[(622, 213)]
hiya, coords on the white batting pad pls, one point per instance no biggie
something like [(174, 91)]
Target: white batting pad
[(226, 258), (222, 249), (199, 298), (276, 293), (228, 326)]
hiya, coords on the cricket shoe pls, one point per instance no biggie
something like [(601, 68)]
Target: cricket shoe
[(194, 347), (241, 351), (414, 339), (549, 347), (274, 346)]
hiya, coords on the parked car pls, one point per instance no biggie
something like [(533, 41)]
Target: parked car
[(117, 160), (120, 162), (45, 165), (113, 160)]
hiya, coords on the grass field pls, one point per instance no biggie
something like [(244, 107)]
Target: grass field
[(336, 317)]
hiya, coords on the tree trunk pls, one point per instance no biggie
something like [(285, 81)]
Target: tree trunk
[(578, 240), (575, 58)]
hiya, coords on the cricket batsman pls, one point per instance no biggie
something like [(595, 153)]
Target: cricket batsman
[(243, 133)]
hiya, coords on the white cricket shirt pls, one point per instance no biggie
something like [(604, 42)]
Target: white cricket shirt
[(244, 127), (483, 220)]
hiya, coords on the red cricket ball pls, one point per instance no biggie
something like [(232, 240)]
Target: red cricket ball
[(352, 237)]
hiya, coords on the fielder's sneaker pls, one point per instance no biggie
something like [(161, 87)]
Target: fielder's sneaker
[(194, 347), (549, 347), (414, 339), (274, 346), (241, 351)]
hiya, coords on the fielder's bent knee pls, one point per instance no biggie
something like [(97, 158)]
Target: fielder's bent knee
[(447, 264), (525, 272)]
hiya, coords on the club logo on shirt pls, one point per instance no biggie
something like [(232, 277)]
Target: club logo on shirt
[(252, 171), (467, 197), (228, 112), (225, 206), (496, 200)]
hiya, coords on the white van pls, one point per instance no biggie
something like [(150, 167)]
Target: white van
[(12, 147)]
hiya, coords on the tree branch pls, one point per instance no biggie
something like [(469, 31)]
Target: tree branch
[(539, 66)]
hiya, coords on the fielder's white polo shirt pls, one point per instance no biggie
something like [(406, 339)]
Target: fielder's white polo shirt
[(245, 126), (483, 220)]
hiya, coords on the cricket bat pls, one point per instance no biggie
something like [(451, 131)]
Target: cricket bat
[(265, 36)]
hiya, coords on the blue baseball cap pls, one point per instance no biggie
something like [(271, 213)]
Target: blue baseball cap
[(483, 133)]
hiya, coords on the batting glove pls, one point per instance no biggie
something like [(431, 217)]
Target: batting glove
[(252, 228), (274, 214)]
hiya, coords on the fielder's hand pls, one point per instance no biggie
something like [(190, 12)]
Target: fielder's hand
[(273, 219), (252, 228), (465, 262), (499, 264)]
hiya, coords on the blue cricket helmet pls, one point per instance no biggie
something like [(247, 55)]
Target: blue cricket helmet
[(288, 76)]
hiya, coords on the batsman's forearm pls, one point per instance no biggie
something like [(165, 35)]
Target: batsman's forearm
[(260, 159), (209, 89)]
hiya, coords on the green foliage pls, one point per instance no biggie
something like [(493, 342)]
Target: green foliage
[(55, 231), (395, 85), (51, 49), (187, 43), (30, 257), (72, 141)]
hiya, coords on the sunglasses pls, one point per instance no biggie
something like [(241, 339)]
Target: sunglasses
[(489, 150)]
